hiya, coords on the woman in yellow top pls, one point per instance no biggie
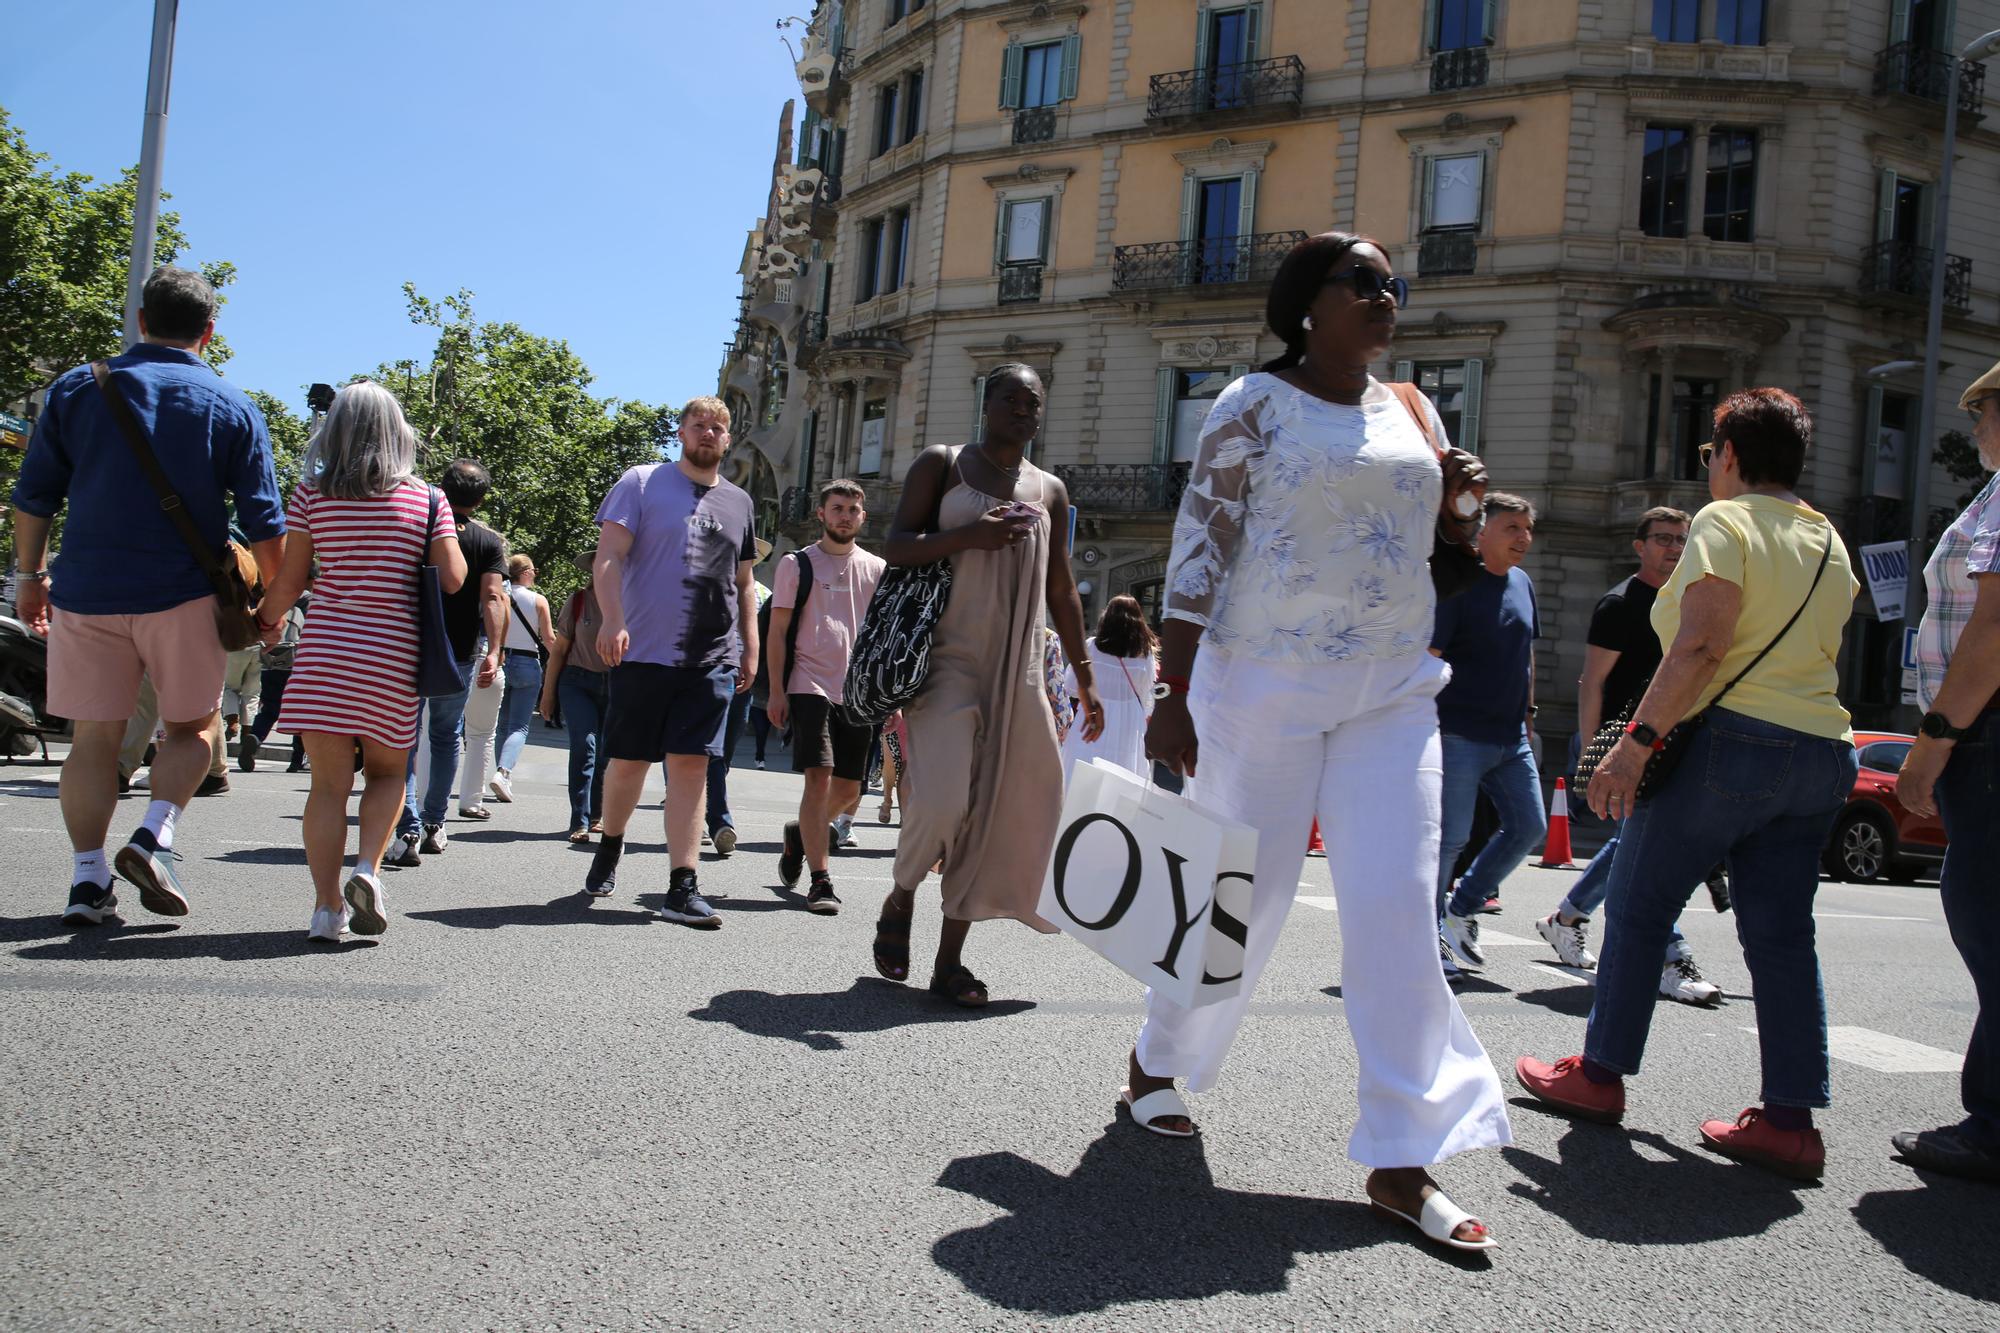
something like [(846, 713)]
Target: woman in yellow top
[(1751, 622)]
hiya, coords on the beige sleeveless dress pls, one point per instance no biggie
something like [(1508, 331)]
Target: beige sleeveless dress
[(985, 771)]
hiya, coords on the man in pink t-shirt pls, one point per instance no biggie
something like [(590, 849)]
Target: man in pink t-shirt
[(812, 634)]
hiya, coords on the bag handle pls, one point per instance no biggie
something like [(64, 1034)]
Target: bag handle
[(1414, 402), (1824, 556), (149, 463)]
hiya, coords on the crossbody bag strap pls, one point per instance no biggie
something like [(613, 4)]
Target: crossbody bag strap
[(149, 463), (802, 566), (950, 469), (424, 546), (1413, 401), (526, 624), (1819, 573)]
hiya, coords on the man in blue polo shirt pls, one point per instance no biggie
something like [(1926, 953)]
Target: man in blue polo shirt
[(130, 599), (1487, 716)]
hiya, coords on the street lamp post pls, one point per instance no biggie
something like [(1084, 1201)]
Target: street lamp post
[(1918, 492), (152, 151)]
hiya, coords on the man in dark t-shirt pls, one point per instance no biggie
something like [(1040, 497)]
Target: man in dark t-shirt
[(1622, 652), (479, 606)]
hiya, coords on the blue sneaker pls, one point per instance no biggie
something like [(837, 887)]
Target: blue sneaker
[(151, 871), (89, 904)]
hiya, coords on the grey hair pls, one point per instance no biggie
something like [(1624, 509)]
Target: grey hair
[(364, 447)]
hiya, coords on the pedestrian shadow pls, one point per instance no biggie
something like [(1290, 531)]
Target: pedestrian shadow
[(1938, 1232), (1601, 1173), (487, 833), (264, 856), (571, 909), (869, 1005), (1467, 983), (164, 942), (1139, 1220), (1572, 1000), (38, 791), (24, 929), (724, 902)]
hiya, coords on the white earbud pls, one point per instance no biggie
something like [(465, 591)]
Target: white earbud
[(1306, 323)]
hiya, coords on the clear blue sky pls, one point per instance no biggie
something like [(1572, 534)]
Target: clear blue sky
[(588, 168)]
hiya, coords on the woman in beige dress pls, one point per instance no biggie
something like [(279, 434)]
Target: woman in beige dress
[(984, 791)]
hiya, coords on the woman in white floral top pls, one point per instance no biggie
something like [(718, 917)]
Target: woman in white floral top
[(1298, 611)]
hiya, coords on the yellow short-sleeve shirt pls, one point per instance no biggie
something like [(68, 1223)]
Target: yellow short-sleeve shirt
[(1771, 550)]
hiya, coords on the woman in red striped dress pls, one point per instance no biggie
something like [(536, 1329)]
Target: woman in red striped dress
[(369, 524)]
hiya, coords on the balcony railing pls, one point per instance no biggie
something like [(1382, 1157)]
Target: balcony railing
[(796, 505), (1035, 124), (1919, 71), (1204, 262), (1464, 68), (1898, 268), (1275, 84), (1447, 252), (812, 329), (1125, 488), (1021, 282)]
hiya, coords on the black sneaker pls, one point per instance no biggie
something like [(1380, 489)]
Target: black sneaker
[(403, 853), (246, 752), (792, 861), (89, 904), (686, 905), (151, 871), (821, 898)]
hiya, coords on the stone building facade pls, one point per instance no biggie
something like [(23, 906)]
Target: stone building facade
[(1612, 212)]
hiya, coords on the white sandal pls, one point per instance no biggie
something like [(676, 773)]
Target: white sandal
[(1157, 1105), (1440, 1218)]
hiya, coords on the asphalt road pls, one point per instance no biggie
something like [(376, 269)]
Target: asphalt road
[(523, 1110)]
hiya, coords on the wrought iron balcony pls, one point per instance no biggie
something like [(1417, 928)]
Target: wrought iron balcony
[(1277, 84), (1464, 68), (1035, 124), (1448, 251), (1125, 488), (1020, 282), (811, 338), (1919, 71), (1900, 269), (1204, 262)]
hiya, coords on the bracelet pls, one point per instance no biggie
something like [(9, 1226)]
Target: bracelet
[(264, 627), (1174, 684), (34, 575)]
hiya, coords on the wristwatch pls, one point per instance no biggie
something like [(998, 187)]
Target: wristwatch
[(1939, 728), (1645, 735)]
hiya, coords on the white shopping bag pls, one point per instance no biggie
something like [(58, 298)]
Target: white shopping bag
[(1154, 882)]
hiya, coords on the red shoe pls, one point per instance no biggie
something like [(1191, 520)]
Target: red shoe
[(1798, 1153), (1564, 1086)]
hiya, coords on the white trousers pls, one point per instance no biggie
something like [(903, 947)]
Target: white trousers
[(1357, 744), (482, 719)]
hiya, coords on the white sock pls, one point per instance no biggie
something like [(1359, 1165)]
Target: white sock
[(159, 822), (90, 868)]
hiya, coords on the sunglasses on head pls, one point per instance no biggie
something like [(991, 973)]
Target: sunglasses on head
[(1370, 285)]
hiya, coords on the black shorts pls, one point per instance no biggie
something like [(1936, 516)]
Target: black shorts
[(822, 737), (659, 710)]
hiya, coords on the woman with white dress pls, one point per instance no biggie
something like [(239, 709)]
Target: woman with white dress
[(1121, 655)]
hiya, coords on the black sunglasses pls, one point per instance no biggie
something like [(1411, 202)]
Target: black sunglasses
[(1370, 285)]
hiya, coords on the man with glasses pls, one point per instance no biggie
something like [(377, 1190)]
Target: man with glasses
[(1621, 654)]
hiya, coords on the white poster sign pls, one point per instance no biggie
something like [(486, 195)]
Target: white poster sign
[(1888, 568), (871, 447)]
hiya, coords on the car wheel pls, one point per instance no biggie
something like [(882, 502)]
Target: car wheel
[(1859, 849)]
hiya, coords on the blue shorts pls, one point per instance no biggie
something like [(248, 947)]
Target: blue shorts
[(659, 710)]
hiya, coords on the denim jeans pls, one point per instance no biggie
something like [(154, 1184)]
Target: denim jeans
[(584, 696), (517, 707), (1762, 798), (718, 768), (1968, 796), (1506, 773), (1587, 894), (440, 718), (760, 727)]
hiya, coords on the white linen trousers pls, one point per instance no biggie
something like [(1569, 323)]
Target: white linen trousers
[(1357, 744)]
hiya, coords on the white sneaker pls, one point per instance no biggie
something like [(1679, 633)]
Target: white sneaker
[(760, 763), (364, 895), (1681, 980), (1571, 942), (327, 925), (844, 826), (142, 780), (502, 787), (1462, 933)]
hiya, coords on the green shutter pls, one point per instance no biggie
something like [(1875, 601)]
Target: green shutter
[(1072, 56), (1163, 415), (809, 140), (1253, 31), (1237, 372), (1885, 206), (1189, 186), (1468, 417), (1000, 234), (1899, 22), (978, 409), (1430, 193), (1246, 219), (1201, 39), (1429, 45), (1048, 224), (1010, 76), (1404, 372), (1489, 23), (1871, 433)]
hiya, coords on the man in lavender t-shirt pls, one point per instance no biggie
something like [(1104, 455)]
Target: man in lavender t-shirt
[(680, 636)]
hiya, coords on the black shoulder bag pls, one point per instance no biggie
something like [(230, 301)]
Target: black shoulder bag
[(437, 670), (1668, 757), (892, 651)]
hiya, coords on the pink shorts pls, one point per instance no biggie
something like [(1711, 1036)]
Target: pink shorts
[(95, 663)]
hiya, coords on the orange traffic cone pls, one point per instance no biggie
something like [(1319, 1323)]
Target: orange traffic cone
[(1315, 847), (1556, 856)]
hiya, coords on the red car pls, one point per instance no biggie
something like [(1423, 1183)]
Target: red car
[(1875, 837)]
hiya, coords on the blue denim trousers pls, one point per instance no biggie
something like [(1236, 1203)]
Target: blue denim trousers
[(585, 698), (1761, 798), (1507, 774), (1968, 797), (1587, 894), (517, 707), (441, 718), (718, 767)]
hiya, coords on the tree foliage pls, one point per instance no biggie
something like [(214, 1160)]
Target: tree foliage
[(288, 433), (65, 251)]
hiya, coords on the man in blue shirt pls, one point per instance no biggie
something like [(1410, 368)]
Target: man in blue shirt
[(130, 599), (1487, 716)]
